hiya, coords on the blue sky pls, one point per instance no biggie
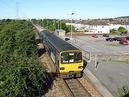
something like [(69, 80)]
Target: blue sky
[(83, 9)]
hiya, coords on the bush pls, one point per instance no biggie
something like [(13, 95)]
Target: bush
[(21, 74), (123, 92), (122, 30)]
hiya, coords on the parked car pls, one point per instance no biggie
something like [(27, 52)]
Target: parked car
[(123, 41), (66, 39), (105, 35), (127, 37), (117, 38), (109, 39), (95, 36)]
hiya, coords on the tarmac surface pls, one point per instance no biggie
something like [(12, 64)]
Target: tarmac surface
[(112, 75)]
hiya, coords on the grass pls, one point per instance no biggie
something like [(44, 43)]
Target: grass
[(123, 92)]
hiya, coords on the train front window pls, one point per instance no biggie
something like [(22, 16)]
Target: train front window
[(71, 57)]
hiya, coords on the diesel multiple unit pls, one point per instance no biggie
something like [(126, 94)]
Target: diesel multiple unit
[(67, 59)]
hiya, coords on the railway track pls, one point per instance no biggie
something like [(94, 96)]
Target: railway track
[(76, 88)]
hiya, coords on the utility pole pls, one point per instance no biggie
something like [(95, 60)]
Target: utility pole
[(71, 25), (58, 24)]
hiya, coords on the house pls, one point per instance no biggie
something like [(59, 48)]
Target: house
[(91, 28), (97, 28)]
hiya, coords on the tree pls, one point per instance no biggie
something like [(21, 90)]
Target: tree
[(122, 30), (52, 24)]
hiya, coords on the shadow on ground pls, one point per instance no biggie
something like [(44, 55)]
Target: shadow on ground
[(48, 77), (47, 85), (41, 51)]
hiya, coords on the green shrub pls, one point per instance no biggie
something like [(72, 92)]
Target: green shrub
[(21, 73), (123, 92)]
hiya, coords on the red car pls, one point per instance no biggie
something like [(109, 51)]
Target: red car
[(123, 41), (95, 36)]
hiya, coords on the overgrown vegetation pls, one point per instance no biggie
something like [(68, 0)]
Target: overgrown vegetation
[(21, 74), (123, 92)]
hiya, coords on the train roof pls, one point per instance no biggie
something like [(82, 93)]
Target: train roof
[(57, 42)]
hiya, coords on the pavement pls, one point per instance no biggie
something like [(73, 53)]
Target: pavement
[(108, 77), (102, 90), (111, 75)]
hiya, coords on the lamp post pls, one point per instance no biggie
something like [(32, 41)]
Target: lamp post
[(71, 25), (58, 24)]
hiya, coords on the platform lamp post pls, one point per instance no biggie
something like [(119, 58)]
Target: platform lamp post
[(71, 25)]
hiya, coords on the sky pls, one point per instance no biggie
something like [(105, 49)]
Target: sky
[(62, 9)]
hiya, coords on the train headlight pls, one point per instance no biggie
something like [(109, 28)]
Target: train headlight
[(80, 67), (62, 68)]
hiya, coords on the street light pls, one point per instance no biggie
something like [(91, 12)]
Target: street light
[(71, 25)]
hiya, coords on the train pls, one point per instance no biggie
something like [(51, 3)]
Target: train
[(67, 59)]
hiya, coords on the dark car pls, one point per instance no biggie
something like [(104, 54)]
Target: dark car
[(66, 39), (105, 35), (109, 39), (117, 38), (113, 39)]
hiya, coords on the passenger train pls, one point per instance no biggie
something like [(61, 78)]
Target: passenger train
[(67, 59)]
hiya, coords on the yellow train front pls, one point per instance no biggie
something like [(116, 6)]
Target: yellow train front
[(67, 59), (71, 64)]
